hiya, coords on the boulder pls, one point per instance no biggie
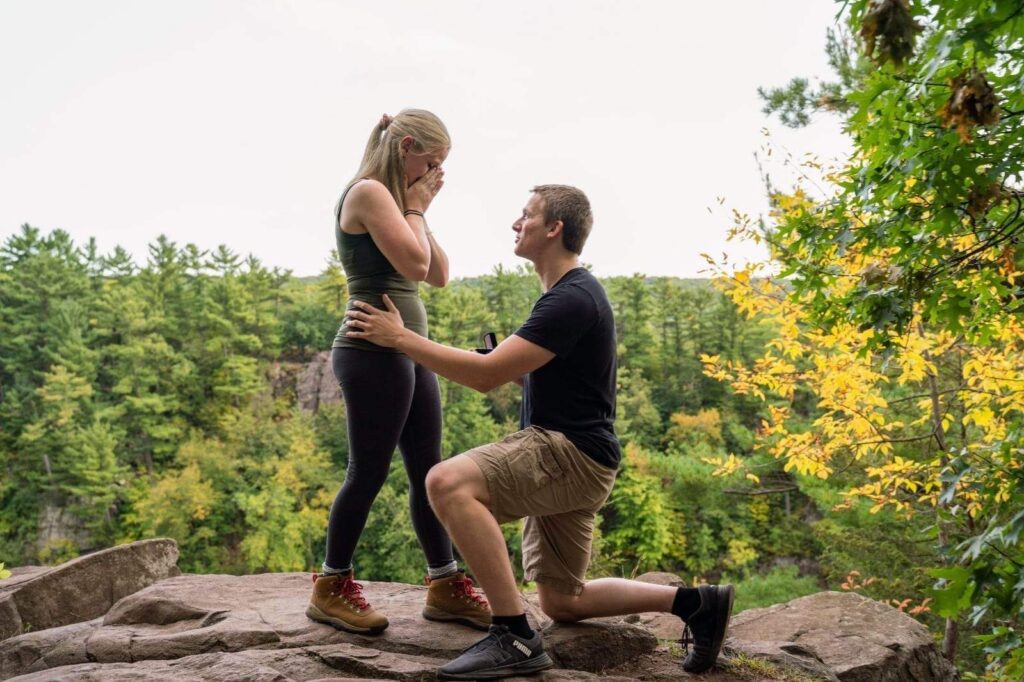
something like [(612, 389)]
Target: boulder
[(786, 655), (83, 588), (192, 615), (858, 639), (660, 578), (214, 627), (20, 574), (596, 646)]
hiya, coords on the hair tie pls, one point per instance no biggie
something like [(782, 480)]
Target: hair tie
[(385, 121)]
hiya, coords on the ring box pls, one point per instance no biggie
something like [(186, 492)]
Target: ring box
[(490, 341)]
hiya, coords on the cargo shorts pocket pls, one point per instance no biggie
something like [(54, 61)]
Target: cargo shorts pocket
[(532, 466)]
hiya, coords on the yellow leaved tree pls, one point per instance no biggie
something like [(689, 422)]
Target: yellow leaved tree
[(922, 424)]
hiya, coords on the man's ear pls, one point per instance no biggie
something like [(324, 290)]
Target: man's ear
[(555, 229)]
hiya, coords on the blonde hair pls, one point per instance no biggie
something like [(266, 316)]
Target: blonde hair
[(382, 159)]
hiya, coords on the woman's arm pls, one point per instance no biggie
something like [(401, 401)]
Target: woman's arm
[(402, 239), (437, 274)]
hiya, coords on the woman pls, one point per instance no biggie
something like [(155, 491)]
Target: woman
[(386, 247)]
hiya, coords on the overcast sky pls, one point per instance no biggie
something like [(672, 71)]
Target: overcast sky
[(237, 122)]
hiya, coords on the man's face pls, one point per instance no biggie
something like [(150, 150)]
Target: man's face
[(530, 228)]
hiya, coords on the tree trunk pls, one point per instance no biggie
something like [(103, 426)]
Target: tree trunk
[(952, 633)]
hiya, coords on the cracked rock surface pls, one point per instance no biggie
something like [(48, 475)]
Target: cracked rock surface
[(160, 625)]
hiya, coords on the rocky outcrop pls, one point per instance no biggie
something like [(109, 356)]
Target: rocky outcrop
[(38, 598), (858, 639), (201, 615), (217, 627), (316, 385), (311, 384)]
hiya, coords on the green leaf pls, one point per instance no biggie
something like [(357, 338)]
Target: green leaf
[(955, 594)]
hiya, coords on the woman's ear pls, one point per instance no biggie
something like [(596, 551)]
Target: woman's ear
[(406, 143)]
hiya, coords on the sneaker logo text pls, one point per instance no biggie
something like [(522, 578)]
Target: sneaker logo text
[(522, 647)]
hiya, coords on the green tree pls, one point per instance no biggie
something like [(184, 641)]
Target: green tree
[(644, 531), (458, 316), (72, 447), (929, 208)]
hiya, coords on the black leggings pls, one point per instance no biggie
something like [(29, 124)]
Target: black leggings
[(389, 401)]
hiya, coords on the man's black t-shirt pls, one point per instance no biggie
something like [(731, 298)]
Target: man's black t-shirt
[(575, 392)]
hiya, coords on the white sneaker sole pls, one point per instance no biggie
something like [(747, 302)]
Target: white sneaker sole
[(527, 667)]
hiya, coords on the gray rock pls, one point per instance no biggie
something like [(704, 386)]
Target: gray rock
[(201, 614), (858, 639), (664, 626), (316, 385), (660, 578), (336, 661), (83, 588), (596, 646), (786, 655), (58, 527), (207, 627), (20, 574), (46, 649)]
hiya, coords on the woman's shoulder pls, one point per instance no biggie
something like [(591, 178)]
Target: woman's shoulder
[(362, 198), (368, 190)]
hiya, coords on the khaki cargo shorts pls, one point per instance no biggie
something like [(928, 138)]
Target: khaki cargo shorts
[(540, 475)]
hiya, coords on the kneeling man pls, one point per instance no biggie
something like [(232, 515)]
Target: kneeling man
[(559, 470)]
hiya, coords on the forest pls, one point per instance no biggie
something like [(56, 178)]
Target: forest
[(846, 414)]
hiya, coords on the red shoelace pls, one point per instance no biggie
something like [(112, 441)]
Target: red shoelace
[(465, 586), (349, 589), (353, 591)]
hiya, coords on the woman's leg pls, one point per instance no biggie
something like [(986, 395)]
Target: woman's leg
[(420, 444), (378, 390)]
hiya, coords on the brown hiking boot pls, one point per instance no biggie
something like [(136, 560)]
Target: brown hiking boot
[(338, 600), (452, 599)]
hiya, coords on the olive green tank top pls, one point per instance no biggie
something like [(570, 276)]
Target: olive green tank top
[(371, 275)]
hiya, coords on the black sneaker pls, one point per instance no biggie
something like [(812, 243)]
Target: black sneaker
[(499, 654), (706, 628)]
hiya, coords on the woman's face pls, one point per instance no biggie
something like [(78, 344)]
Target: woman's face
[(417, 165)]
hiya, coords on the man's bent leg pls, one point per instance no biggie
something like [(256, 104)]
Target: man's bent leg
[(704, 610), (458, 493), (605, 597)]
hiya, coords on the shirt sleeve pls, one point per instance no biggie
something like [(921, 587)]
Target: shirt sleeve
[(560, 319)]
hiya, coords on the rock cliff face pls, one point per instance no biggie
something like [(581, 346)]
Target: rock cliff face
[(125, 614), (316, 385)]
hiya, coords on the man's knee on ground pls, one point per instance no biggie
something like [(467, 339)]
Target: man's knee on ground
[(558, 606)]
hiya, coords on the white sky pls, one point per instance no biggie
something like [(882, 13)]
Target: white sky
[(216, 121)]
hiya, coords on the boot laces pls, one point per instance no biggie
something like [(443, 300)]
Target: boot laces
[(353, 592), (465, 586)]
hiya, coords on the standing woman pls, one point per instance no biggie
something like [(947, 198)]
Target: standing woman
[(386, 247)]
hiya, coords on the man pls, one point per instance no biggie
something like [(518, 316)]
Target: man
[(559, 470)]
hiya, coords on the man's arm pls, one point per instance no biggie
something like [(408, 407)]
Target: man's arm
[(514, 357)]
